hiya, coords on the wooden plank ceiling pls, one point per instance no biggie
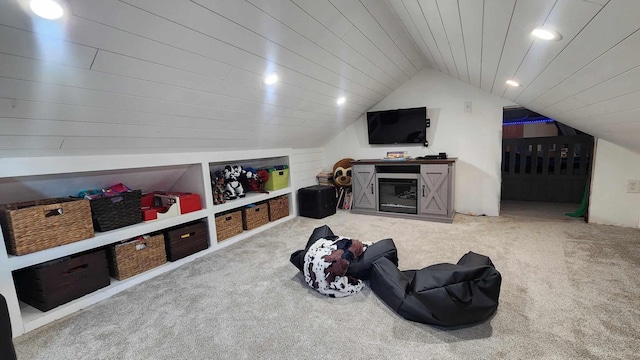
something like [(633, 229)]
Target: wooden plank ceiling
[(589, 79), (149, 75)]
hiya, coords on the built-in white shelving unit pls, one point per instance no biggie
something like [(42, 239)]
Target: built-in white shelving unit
[(23, 179)]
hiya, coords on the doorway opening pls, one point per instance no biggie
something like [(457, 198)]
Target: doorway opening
[(544, 161)]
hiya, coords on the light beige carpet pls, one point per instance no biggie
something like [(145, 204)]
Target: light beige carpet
[(570, 290)]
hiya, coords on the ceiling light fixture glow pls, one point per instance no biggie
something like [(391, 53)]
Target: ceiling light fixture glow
[(546, 34), (512, 83), (271, 79), (341, 100), (47, 9)]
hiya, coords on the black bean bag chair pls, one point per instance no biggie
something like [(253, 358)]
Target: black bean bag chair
[(359, 268), (441, 294), (6, 342)]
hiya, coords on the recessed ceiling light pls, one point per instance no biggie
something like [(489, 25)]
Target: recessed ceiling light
[(512, 83), (546, 34), (341, 100), (271, 79), (47, 9)]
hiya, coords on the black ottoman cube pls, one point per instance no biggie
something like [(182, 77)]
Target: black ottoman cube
[(317, 201)]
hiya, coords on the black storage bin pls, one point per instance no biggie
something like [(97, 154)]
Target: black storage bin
[(317, 201), (184, 240), (122, 210), (56, 282)]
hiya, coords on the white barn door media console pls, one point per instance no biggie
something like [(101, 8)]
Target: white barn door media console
[(416, 189)]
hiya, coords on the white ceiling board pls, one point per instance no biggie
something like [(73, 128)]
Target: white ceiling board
[(568, 18), (450, 18), (19, 127), (302, 23), (8, 142), (620, 103), (417, 18), (92, 34), (527, 15), (301, 85), (142, 70), (619, 59), (38, 46), (12, 108), (472, 25), (74, 77), (431, 14), (618, 86), (326, 14), (215, 26), (616, 21), (401, 12), (118, 76), (27, 90), (497, 18), (362, 19), (253, 19), (386, 17)]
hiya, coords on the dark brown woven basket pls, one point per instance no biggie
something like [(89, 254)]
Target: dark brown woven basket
[(278, 208), (228, 225), (136, 256), (255, 216), (118, 211), (32, 226)]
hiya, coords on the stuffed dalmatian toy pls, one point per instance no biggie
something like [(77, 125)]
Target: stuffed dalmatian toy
[(233, 187)]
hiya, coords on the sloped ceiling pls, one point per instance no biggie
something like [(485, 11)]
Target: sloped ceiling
[(151, 75), (139, 75), (590, 79)]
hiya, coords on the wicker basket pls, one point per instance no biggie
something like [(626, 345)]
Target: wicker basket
[(278, 208), (136, 256), (118, 211), (255, 216), (228, 225), (32, 226)]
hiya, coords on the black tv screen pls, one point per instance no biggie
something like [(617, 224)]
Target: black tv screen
[(401, 126)]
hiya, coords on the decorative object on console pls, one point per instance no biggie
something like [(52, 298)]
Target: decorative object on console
[(342, 172)]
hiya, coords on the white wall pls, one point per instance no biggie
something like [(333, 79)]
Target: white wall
[(610, 203), (474, 137)]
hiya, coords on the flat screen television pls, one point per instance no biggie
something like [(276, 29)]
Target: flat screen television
[(401, 126)]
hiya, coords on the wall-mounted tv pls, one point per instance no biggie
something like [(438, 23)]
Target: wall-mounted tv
[(400, 126)]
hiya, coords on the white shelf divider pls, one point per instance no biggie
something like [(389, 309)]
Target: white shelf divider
[(252, 197)]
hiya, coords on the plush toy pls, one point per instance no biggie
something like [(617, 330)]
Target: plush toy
[(233, 187), (253, 180), (326, 263), (218, 184), (342, 173)]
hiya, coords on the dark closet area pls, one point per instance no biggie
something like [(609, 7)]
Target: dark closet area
[(543, 160)]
